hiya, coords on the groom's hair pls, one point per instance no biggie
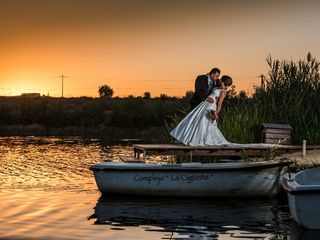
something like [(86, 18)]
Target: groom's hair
[(215, 70)]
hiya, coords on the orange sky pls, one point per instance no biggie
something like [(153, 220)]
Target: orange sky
[(136, 46)]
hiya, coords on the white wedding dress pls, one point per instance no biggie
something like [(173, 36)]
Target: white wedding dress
[(196, 129)]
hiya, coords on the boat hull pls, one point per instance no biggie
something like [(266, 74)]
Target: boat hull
[(304, 196), (194, 180), (304, 209)]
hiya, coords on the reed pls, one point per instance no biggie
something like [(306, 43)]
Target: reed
[(240, 123), (288, 94)]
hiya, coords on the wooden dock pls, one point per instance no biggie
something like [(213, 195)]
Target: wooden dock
[(257, 150)]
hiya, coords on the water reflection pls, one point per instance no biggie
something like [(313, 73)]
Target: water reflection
[(52, 164), (204, 218), (47, 192), (299, 233)]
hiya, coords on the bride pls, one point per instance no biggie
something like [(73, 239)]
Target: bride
[(199, 127)]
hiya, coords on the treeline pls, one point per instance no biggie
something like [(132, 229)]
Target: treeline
[(86, 116)]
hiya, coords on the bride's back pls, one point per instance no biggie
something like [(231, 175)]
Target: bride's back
[(215, 93)]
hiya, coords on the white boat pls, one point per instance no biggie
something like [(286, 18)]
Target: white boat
[(236, 179), (304, 197)]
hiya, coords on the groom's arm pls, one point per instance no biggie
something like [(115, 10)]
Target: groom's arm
[(200, 87)]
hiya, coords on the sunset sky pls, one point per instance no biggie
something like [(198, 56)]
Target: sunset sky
[(136, 46)]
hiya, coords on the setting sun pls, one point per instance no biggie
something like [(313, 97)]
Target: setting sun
[(159, 47)]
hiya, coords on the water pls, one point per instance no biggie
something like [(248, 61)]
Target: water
[(48, 192)]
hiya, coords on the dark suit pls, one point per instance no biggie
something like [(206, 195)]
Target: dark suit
[(201, 90)]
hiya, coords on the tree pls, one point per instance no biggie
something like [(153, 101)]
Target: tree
[(163, 96), (147, 95), (105, 91)]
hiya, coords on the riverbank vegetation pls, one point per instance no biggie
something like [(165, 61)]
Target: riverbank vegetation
[(132, 117), (289, 94)]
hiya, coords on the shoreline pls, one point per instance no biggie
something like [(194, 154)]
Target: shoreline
[(311, 160), (102, 132)]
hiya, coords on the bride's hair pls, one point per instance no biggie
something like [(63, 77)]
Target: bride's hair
[(227, 80)]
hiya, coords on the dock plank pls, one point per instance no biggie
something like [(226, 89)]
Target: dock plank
[(222, 150)]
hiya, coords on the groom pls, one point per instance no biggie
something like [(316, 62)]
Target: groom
[(203, 86)]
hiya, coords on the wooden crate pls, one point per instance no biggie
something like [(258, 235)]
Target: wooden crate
[(276, 133)]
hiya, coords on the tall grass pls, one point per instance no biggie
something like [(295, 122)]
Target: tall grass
[(241, 122), (289, 94)]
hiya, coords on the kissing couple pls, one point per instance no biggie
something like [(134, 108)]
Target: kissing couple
[(199, 127)]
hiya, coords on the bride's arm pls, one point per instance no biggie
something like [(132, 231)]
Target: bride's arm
[(220, 101)]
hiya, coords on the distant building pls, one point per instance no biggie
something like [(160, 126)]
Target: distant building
[(30, 95)]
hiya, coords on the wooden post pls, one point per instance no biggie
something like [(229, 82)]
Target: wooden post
[(304, 148), (144, 155)]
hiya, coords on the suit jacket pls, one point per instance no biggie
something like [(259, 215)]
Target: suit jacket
[(201, 90)]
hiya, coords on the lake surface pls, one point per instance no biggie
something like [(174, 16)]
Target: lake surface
[(48, 192)]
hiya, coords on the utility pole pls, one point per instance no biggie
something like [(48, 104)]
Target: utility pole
[(62, 85), (62, 79)]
